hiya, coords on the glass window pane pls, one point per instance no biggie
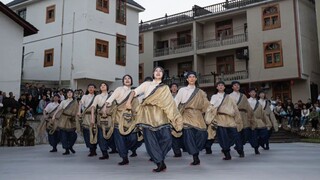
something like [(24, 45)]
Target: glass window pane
[(269, 59), (277, 57)]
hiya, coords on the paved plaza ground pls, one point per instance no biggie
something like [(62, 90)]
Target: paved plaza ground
[(294, 161)]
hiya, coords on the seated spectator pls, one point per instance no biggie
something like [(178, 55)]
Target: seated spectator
[(31, 103), (290, 116), (304, 116), (42, 104), (277, 111)]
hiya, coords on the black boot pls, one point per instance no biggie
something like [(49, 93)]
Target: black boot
[(227, 155), (160, 167), (196, 160), (54, 150), (256, 150), (67, 152), (124, 161), (208, 151), (267, 146), (92, 152), (104, 156), (113, 151), (72, 150), (179, 154), (241, 153), (134, 153)]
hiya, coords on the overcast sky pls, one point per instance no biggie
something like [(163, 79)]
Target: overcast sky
[(158, 8)]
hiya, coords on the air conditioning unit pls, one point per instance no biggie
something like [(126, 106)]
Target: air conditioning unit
[(242, 54)]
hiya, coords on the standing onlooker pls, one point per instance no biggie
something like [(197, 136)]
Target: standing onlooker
[(309, 104), (1, 98), (314, 117), (296, 115), (304, 116)]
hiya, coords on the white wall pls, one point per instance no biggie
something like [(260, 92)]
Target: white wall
[(11, 35), (78, 45)]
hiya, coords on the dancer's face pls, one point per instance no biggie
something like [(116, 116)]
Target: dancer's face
[(158, 74), (221, 87), (174, 88), (127, 81), (91, 89), (252, 94), (103, 87), (236, 87), (70, 94), (192, 79)]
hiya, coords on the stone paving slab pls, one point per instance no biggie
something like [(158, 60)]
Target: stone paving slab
[(294, 161)]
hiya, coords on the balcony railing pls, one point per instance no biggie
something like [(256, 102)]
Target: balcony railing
[(229, 40), (209, 78), (173, 50), (196, 12), (238, 75)]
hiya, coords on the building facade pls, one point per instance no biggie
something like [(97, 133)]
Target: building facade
[(267, 44), (80, 41), (13, 30)]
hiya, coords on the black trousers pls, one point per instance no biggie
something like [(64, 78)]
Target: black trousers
[(158, 143)]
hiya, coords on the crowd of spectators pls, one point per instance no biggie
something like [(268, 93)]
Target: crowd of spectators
[(32, 101), (298, 114)]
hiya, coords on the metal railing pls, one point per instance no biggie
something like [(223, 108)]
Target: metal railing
[(223, 41), (196, 12), (209, 78), (238, 75), (173, 50)]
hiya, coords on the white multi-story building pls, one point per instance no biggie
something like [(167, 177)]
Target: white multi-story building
[(267, 44), (80, 41), (13, 29)]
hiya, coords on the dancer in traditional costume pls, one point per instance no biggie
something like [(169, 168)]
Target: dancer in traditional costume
[(125, 138), (260, 130), (193, 103), (156, 114), (51, 124), (177, 142), (101, 120), (270, 115), (223, 113), (66, 115), (245, 112), (84, 113)]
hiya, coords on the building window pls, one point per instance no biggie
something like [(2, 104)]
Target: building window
[(273, 54), (22, 13), (224, 29), (141, 43), (102, 48), (121, 50), (225, 64), (121, 9), (51, 12), (271, 17), (103, 5), (48, 57), (141, 73)]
